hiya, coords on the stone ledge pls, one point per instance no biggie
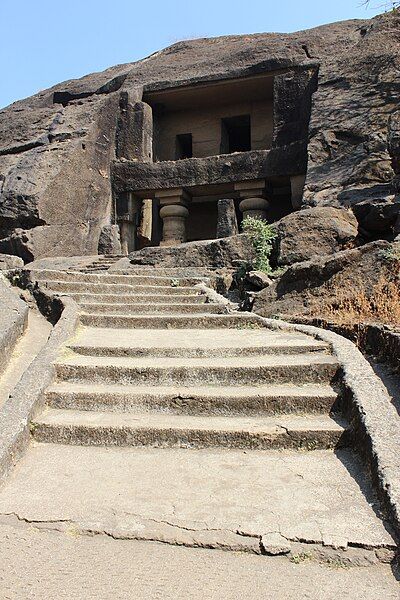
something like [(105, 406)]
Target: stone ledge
[(212, 170), (27, 398), (13, 321), (371, 413)]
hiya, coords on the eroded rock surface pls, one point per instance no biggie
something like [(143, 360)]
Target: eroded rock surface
[(313, 232), (312, 287), (208, 253)]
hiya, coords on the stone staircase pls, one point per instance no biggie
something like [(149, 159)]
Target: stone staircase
[(155, 363), (101, 264)]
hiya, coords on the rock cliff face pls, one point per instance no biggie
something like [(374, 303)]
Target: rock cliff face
[(56, 147)]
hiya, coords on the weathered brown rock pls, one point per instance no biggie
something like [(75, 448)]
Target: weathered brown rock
[(313, 232), (378, 217), (208, 253), (348, 156), (310, 288)]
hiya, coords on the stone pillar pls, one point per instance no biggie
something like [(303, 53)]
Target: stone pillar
[(134, 129), (173, 212), (253, 204), (127, 208), (227, 222), (145, 224), (125, 226), (297, 183)]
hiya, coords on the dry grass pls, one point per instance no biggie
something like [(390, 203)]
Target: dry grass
[(354, 306)]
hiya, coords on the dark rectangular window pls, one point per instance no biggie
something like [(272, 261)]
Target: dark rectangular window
[(184, 146), (235, 134)]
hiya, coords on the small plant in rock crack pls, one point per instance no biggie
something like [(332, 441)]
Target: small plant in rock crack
[(392, 253), (262, 235), (174, 282), (300, 557)]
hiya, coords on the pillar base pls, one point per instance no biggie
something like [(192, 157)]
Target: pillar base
[(174, 224), (254, 207)]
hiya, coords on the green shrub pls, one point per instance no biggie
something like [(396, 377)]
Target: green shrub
[(262, 235)]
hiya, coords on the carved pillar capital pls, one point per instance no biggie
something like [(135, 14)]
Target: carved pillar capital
[(253, 203)]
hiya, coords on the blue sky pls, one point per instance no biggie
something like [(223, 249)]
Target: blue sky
[(44, 42)]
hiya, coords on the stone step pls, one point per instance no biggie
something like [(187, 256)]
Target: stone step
[(152, 308), (192, 343), (126, 321), (152, 280), (182, 431), (173, 272), (113, 288), (195, 298), (222, 400), (298, 368)]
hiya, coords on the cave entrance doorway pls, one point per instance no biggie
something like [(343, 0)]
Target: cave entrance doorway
[(235, 134)]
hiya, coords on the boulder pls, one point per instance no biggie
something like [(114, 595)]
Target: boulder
[(259, 279), (313, 232), (8, 261), (312, 288), (213, 254), (378, 217)]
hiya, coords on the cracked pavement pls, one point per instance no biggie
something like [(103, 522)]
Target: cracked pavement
[(214, 498), (44, 564)]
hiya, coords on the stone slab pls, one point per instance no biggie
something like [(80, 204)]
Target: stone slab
[(307, 495), (95, 337)]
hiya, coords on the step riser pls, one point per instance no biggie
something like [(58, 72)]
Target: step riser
[(103, 288), (192, 352), (306, 373), (150, 308), (193, 405), (108, 279), (193, 439), (160, 322), (131, 298)]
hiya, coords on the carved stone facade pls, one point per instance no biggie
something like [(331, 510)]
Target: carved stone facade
[(304, 113)]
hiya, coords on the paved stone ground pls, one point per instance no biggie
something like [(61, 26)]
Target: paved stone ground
[(47, 565), (316, 496)]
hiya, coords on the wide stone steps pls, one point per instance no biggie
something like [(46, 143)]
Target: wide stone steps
[(192, 343), (115, 429), (113, 288), (178, 321), (212, 400), (184, 372), (305, 368), (195, 298), (134, 280), (151, 308)]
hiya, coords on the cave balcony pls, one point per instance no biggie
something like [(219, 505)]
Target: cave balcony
[(259, 181), (203, 176)]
